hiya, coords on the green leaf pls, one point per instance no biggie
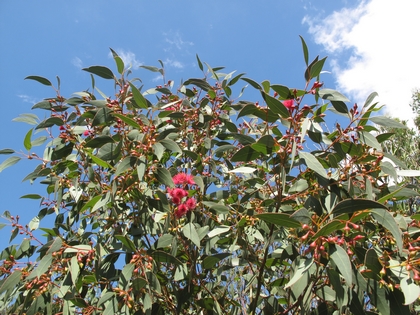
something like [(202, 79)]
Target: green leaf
[(99, 161), (49, 122), (246, 154), (353, 205), (125, 277), (138, 97), (218, 230), (252, 83), (7, 151), (280, 219), (30, 119), (164, 177), (128, 163), (387, 122), (317, 67), (100, 71), (164, 257), (200, 65), (370, 99), (282, 91), (127, 242), (199, 83), (385, 218), (129, 121), (305, 50), (299, 186), (219, 208), (103, 117), (34, 223), (27, 141), (190, 232), (31, 196), (41, 80), (150, 68), (332, 95), (171, 145), (370, 140), (11, 281), (42, 267), (341, 259), (410, 289), (99, 141), (119, 62), (211, 261), (340, 107), (9, 162), (329, 228), (298, 270), (313, 164), (275, 105)]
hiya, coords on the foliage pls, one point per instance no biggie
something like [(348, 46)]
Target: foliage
[(185, 200)]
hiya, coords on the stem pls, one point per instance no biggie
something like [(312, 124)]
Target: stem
[(254, 302)]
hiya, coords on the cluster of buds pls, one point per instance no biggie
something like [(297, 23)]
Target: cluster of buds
[(179, 195)]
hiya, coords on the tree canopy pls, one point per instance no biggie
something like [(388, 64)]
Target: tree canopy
[(185, 199)]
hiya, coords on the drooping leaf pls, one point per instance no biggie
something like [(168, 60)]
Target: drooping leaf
[(9, 162), (190, 232), (385, 218), (39, 79), (27, 141), (219, 208), (312, 163), (275, 105), (332, 95), (305, 50), (211, 261), (280, 219), (7, 151), (246, 154), (119, 62), (387, 122), (100, 71), (353, 205), (342, 261), (164, 177), (129, 121)]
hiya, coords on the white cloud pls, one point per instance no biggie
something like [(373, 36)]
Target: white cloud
[(173, 63), (174, 39), (129, 58), (373, 47), (77, 62), (27, 98)]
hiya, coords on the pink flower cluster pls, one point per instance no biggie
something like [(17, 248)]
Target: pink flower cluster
[(179, 195)]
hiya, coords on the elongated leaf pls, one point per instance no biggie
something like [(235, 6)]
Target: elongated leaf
[(100, 71), (275, 105), (370, 140), (200, 65), (280, 219), (125, 277), (317, 67), (129, 121), (387, 122), (370, 99), (313, 163), (219, 208), (298, 270), (39, 79), (31, 196), (190, 232), (218, 230), (342, 261), (171, 145), (305, 50), (42, 266), (410, 289), (353, 205), (385, 218), (11, 281), (9, 162), (119, 62), (164, 177), (164, 257), (408, 173), (329, 228), (246, 154), (138, 97), (243, 170), (27, 141), (199, 83), (99, 161), (282, 91), (332, 95), (211, 261), (7, 151)]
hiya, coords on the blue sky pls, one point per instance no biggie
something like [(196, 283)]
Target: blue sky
[(371, 47)]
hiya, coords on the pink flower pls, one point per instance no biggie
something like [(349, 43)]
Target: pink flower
[(289, 104), (178, 193), (86, 133), (176, 200), (182, 179), (191, 203), (181, 211)]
